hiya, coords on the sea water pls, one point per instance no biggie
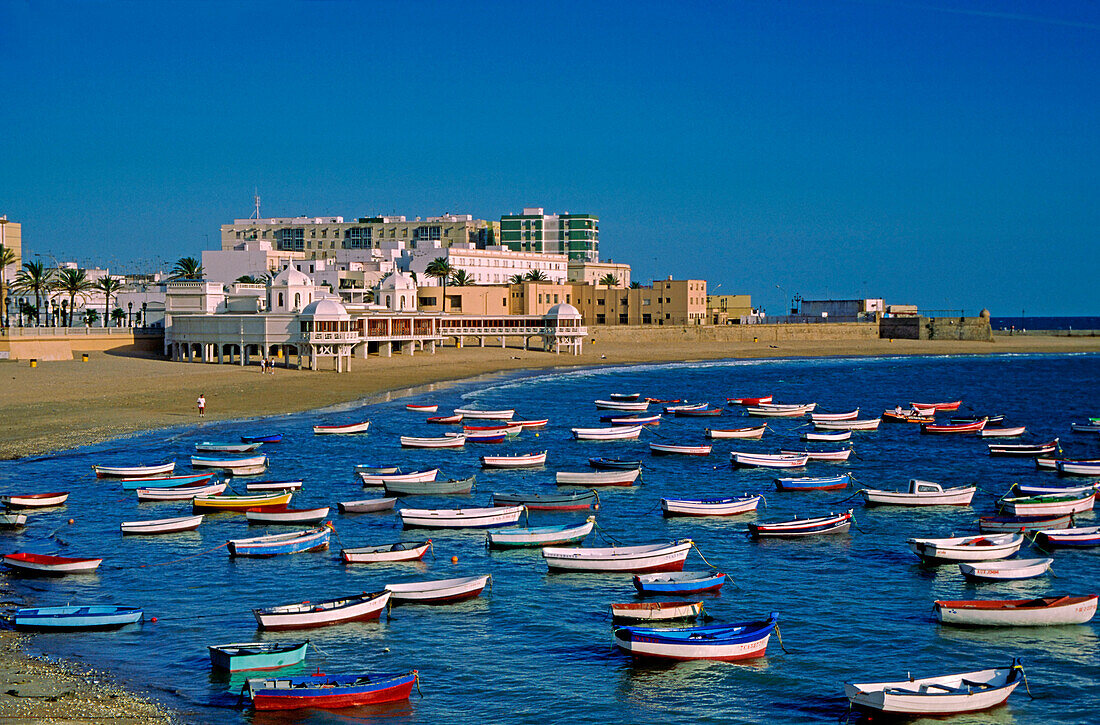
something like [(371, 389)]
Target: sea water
[(536, 648)]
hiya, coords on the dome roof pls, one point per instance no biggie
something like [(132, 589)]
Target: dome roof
[(565, 310), (398, 281), (291, 277), (326, 307)]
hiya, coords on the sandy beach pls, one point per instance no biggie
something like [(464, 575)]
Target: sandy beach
[(60, 405)]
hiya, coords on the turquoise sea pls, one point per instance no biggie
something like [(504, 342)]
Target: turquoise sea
[(537, 647)]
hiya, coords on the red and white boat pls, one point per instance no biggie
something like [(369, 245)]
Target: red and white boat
[(455, 441), (1016, 612), (510, 429), (160, 469), (850, 415), (33, 500), (401, 551), (526, 460), (831, 524), (181, 493), (446, 419), (161, 526), (624, 559), (769, 460), (958, 428), (714, 506), (346, 429), (954, 405), (439, 591), (666, 449), (841, 455), (532, 424), (855, 424), (632, 406), (44, 564), (754, 433), (625, 477), (421, 408), (780, 411), (763, 400), (655, 611), (485, 414), (634, 420), (381, 479), (321, 614), (284, 515), (625, 432), (1002, 432)]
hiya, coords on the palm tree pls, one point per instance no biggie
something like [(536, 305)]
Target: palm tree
[(73, 282), (7, 258), (117, 316), (442, 270), (635, 285), (610, 280), (461, 279), (250, 279), (90, 316), (108, 286), (187, 268), (516, 279), (536, 275), (37, 278)]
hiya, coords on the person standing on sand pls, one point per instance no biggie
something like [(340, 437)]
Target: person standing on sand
[(201, 402)]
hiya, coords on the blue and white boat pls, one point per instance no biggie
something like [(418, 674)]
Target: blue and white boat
[(251, 656), (814, 483), (714, 506), (195, 479), (738, 641), (76, 617), (329, 692), (613, 464), (679, 582), (262, 438), (294, 542)]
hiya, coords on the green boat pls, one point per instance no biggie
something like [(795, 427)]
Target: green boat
[(242, 656)]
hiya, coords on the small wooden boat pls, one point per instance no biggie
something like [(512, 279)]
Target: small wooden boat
[(541, 535), (1025, 489), (631, 419), (445, 419), (768, 460), (345, 429), (183, 493), (685, 406), (470, 518), (45, 564), (381, 479), (632, 406), (295, 542), (1078, 468), (679, 582), (238, 466), (624, 432), (484, 437), (262, 438), (826, 417), (726, 642), (285, 516), (485, 414), (431, 488), (624, 396), (574, 501), (855, 424), (840, 435), (966, 548), (151, 527), (369, 468), (386, 553), (945, 407), (532, 424), (208, 447), (920, 493), (625, 477), (909, 416), (1082, 536), (1001, 432), (814, 483), (255, 656), (368, 505), (762, 400), (230, 502), (613, 464), (453, 441), (12, 521), (700, 413), (34, 500), (755, 432), (780, 411), (655, 611), (1085, 427), (1047, 505), (714, 506), (1000, 524), (413, 407), (1037, 449), (76, 617), (330, 692), (323, 613), (665, 449), (196, 479), (522, 460), (254, 486), (831, 524), (1043, 611), (1003, 570), (993, 420), (623, 559), (511, 430), (842, 455), (958, 429), (160, 469), (440, 591), (940, 695)]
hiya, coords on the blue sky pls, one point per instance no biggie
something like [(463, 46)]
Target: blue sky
[(911, 150)]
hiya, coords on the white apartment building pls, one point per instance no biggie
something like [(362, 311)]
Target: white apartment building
[(493, 265)]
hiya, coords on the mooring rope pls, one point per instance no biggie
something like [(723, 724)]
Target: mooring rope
[(779, 636), (694, 546)]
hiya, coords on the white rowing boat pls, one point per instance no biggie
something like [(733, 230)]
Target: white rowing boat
[(439, 591), (1004, 570), (940, 695), (967, 548), (161, 526), (624, 559), (625, 477), (1044, 611), (623, 432), (470, 518)]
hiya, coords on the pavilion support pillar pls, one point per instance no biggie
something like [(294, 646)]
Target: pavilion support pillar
[(431, 346), (385, 349), (481, 340)]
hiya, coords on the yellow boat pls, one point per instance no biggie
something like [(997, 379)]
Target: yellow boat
[(241, 503)]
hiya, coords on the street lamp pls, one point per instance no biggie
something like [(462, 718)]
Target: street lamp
[(55, 309), (130, 317), (64, 312), (143, 320)]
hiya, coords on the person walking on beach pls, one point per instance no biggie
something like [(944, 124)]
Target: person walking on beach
[(201, 402), (263, 365)]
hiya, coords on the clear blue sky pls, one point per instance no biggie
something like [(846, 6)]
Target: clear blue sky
[(844, 148)]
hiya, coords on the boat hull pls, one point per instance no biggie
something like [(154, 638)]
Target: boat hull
[(381, 554), (322, 614), (160, 526), (1046, 611), (460, 518), (619, 559), (329, 694), (75, 618), (256, 656), (731, 506), (724, 643), (925, 698), (443, 591), (655, 611)]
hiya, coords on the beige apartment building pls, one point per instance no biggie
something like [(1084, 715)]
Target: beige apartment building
[(666, 302), (585, 272), (11, 237), (728, 309)]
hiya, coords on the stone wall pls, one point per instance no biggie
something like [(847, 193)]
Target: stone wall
[(974, 329), (64, 344), (655, 334)]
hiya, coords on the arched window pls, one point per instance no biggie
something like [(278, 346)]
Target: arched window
[(297, 300), (280, 299)]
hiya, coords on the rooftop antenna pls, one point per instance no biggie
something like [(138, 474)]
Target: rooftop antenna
[(256, 199)]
